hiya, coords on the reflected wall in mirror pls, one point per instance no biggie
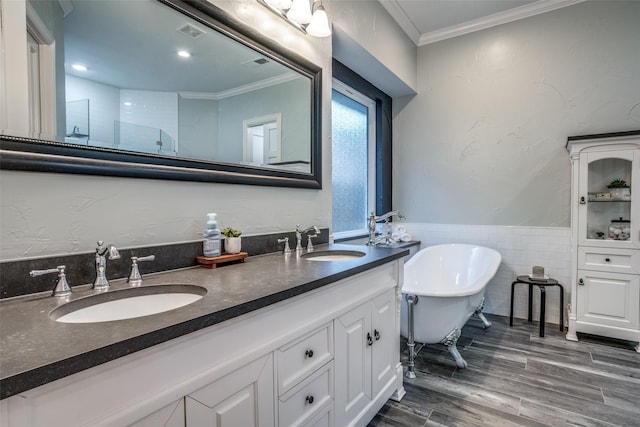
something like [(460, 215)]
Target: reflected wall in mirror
[(166, 83)]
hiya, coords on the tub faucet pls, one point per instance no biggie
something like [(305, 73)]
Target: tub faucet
[(372, 219), (101, 283), (299, 234)]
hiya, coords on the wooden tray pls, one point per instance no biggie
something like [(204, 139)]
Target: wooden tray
[(212, 262)]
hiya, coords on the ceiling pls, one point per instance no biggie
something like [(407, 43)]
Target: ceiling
[(428, 21), (133, 45)]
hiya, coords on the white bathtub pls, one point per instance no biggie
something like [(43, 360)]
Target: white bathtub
[(449, 282)]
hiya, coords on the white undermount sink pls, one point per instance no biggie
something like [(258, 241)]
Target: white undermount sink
[(332, 255), (127, 303)]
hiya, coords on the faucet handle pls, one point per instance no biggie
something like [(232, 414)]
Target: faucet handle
[(135, 278), (62, 288), (309, 244), (287, 249)]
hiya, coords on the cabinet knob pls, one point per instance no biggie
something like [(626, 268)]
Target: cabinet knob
[(607, 260), (583, 201), (581, 282), (376, 334), (308, 353), (369, 339), (309, 399)]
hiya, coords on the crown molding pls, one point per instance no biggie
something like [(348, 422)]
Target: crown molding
[(515, 14), (215, 96), (66, 6), (397, 13)]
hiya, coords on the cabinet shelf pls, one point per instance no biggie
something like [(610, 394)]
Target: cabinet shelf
[(610, 201)]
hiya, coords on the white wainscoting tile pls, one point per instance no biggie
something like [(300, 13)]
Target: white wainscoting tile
[(521, 248)]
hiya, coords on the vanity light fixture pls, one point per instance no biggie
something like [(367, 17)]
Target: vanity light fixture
[(298, 13), (79, 67)]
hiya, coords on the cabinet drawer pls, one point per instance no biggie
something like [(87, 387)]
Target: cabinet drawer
[(308, 399), (301, 357), (607, 259)]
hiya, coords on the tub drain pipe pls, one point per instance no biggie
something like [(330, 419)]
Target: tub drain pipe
[(411, 301)]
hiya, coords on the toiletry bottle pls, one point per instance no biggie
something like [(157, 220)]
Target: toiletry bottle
[(211, 242)]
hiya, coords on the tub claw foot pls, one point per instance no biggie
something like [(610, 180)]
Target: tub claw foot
[(485, 322), (450, 342)]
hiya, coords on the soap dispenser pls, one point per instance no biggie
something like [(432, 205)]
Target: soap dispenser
[(212, 237)]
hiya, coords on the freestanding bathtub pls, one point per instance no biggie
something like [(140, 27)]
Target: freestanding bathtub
[(443, 286)]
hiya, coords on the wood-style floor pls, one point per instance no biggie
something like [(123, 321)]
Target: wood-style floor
[(516, 378)]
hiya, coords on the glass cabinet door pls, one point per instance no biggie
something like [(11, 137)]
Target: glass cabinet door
[(605, 215)]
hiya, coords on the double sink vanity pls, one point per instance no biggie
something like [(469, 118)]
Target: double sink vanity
[(287, 340)]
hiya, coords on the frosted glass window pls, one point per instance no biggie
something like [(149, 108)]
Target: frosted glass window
[(351, 169)]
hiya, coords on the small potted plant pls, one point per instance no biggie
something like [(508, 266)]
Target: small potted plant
[(619, 189), (232, 241)]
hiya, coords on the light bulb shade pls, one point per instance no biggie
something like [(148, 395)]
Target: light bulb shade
[(319, 25), (279, 4), (300, 12)]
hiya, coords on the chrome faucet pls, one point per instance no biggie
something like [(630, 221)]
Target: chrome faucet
[(372, 219), (135, 278), (299, 234), (101, 283), (62, 288), (287, 249)]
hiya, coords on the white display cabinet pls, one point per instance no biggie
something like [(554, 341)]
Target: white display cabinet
[(605, 218)]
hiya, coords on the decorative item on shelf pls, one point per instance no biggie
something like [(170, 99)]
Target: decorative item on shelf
[(601, 196), (620, 229), (299, 14), (537, 273), (232, 240), (620, 190)]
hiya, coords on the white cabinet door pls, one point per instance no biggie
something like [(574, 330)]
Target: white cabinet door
[(352, 363), (244, 398), (598, 169), (170, 416), (609, 299), (364, 355), (383, 324)]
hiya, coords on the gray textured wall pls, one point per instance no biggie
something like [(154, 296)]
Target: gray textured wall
[(483, 142)]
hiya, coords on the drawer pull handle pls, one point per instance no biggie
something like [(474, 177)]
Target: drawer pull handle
[(308, 353), (607, 260), (369, 339), (376, 334), (581, 282), (309, 399)]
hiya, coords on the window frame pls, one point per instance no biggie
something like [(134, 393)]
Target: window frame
[(383, 130)]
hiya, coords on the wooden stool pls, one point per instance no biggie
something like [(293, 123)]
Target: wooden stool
[(540, 284)]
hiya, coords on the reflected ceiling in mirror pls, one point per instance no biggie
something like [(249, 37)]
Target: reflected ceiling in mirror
[(180, 84)]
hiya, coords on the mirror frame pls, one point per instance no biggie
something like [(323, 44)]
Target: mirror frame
[(30, 154)]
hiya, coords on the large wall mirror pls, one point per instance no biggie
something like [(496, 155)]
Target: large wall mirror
[(166, 89)]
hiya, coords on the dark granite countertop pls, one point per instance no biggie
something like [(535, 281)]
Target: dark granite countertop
[(36, 350)]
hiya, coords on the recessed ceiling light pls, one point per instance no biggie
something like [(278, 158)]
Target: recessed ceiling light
[(127, 104), (184, 54), (79, 67)]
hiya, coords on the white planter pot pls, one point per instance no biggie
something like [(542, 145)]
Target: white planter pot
[(232, 245)]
